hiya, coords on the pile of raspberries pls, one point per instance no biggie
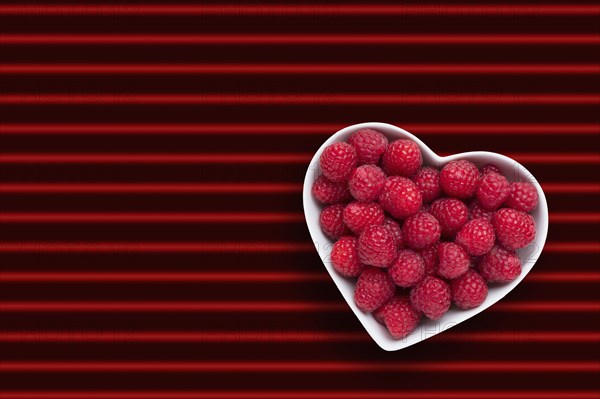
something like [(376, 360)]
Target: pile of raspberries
[(417, 238)]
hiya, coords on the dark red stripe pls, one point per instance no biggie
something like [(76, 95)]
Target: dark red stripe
[(212, 217), (221, 188), (145, 188), (170, 306), (257, 306), (549, 158), (154, 247), (564, 217), (557, 277), (548, 306), (279, 336), (167, 277), (214, 158), (572, 247), (212, 247), (297, 69), (308, 10), (326, 394), (567, 188), (556, 158), (322, 99), (228, 277), (296, 128), (303, 366), (313, 39), (519, 336), (260, 158), (128, 217)]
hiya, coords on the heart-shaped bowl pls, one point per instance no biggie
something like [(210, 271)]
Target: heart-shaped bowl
[(513, 170)]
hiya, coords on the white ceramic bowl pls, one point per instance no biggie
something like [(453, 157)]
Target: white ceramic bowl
[(513, 170)]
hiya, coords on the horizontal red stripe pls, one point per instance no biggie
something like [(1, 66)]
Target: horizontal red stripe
[(557, 277), (154, 247), (519, 337), (231, 277), (97, 277), (260, 158), (128, 217), (219, 188), (564, 188), (228, 99), (281, 335), (302, 366), (588, 217), (404, 394), (278, 336), (548, 306), (153, 306), (144, 188), (572, 247), (308, 10), (212, 217), (213, 247), (554, 158), (300, 69), (296, 128), (256, 306), (290, 39)]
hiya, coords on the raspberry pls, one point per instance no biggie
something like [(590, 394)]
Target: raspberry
[(396, 231), (523, 197), (490, 168), (373, 288), (515, 229), (430, 258), (369, 145), (403, 157), (338, 161), (477, 237), (500, 265), (360, 215), (453, 260), (431, 296), (344, 257), (476, 211), (428, 181), (421, 230), (469, 290), (451, 213), (328, 192), (459, 179), (408, 268), (366, 182), (332, 221), (376, 246), (378, 314), (400, 197), (493, 190), (400, 317)]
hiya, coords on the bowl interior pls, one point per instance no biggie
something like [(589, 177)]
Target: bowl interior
[(427, 328)]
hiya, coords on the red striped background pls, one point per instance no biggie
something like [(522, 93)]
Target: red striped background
[(152, 239)]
